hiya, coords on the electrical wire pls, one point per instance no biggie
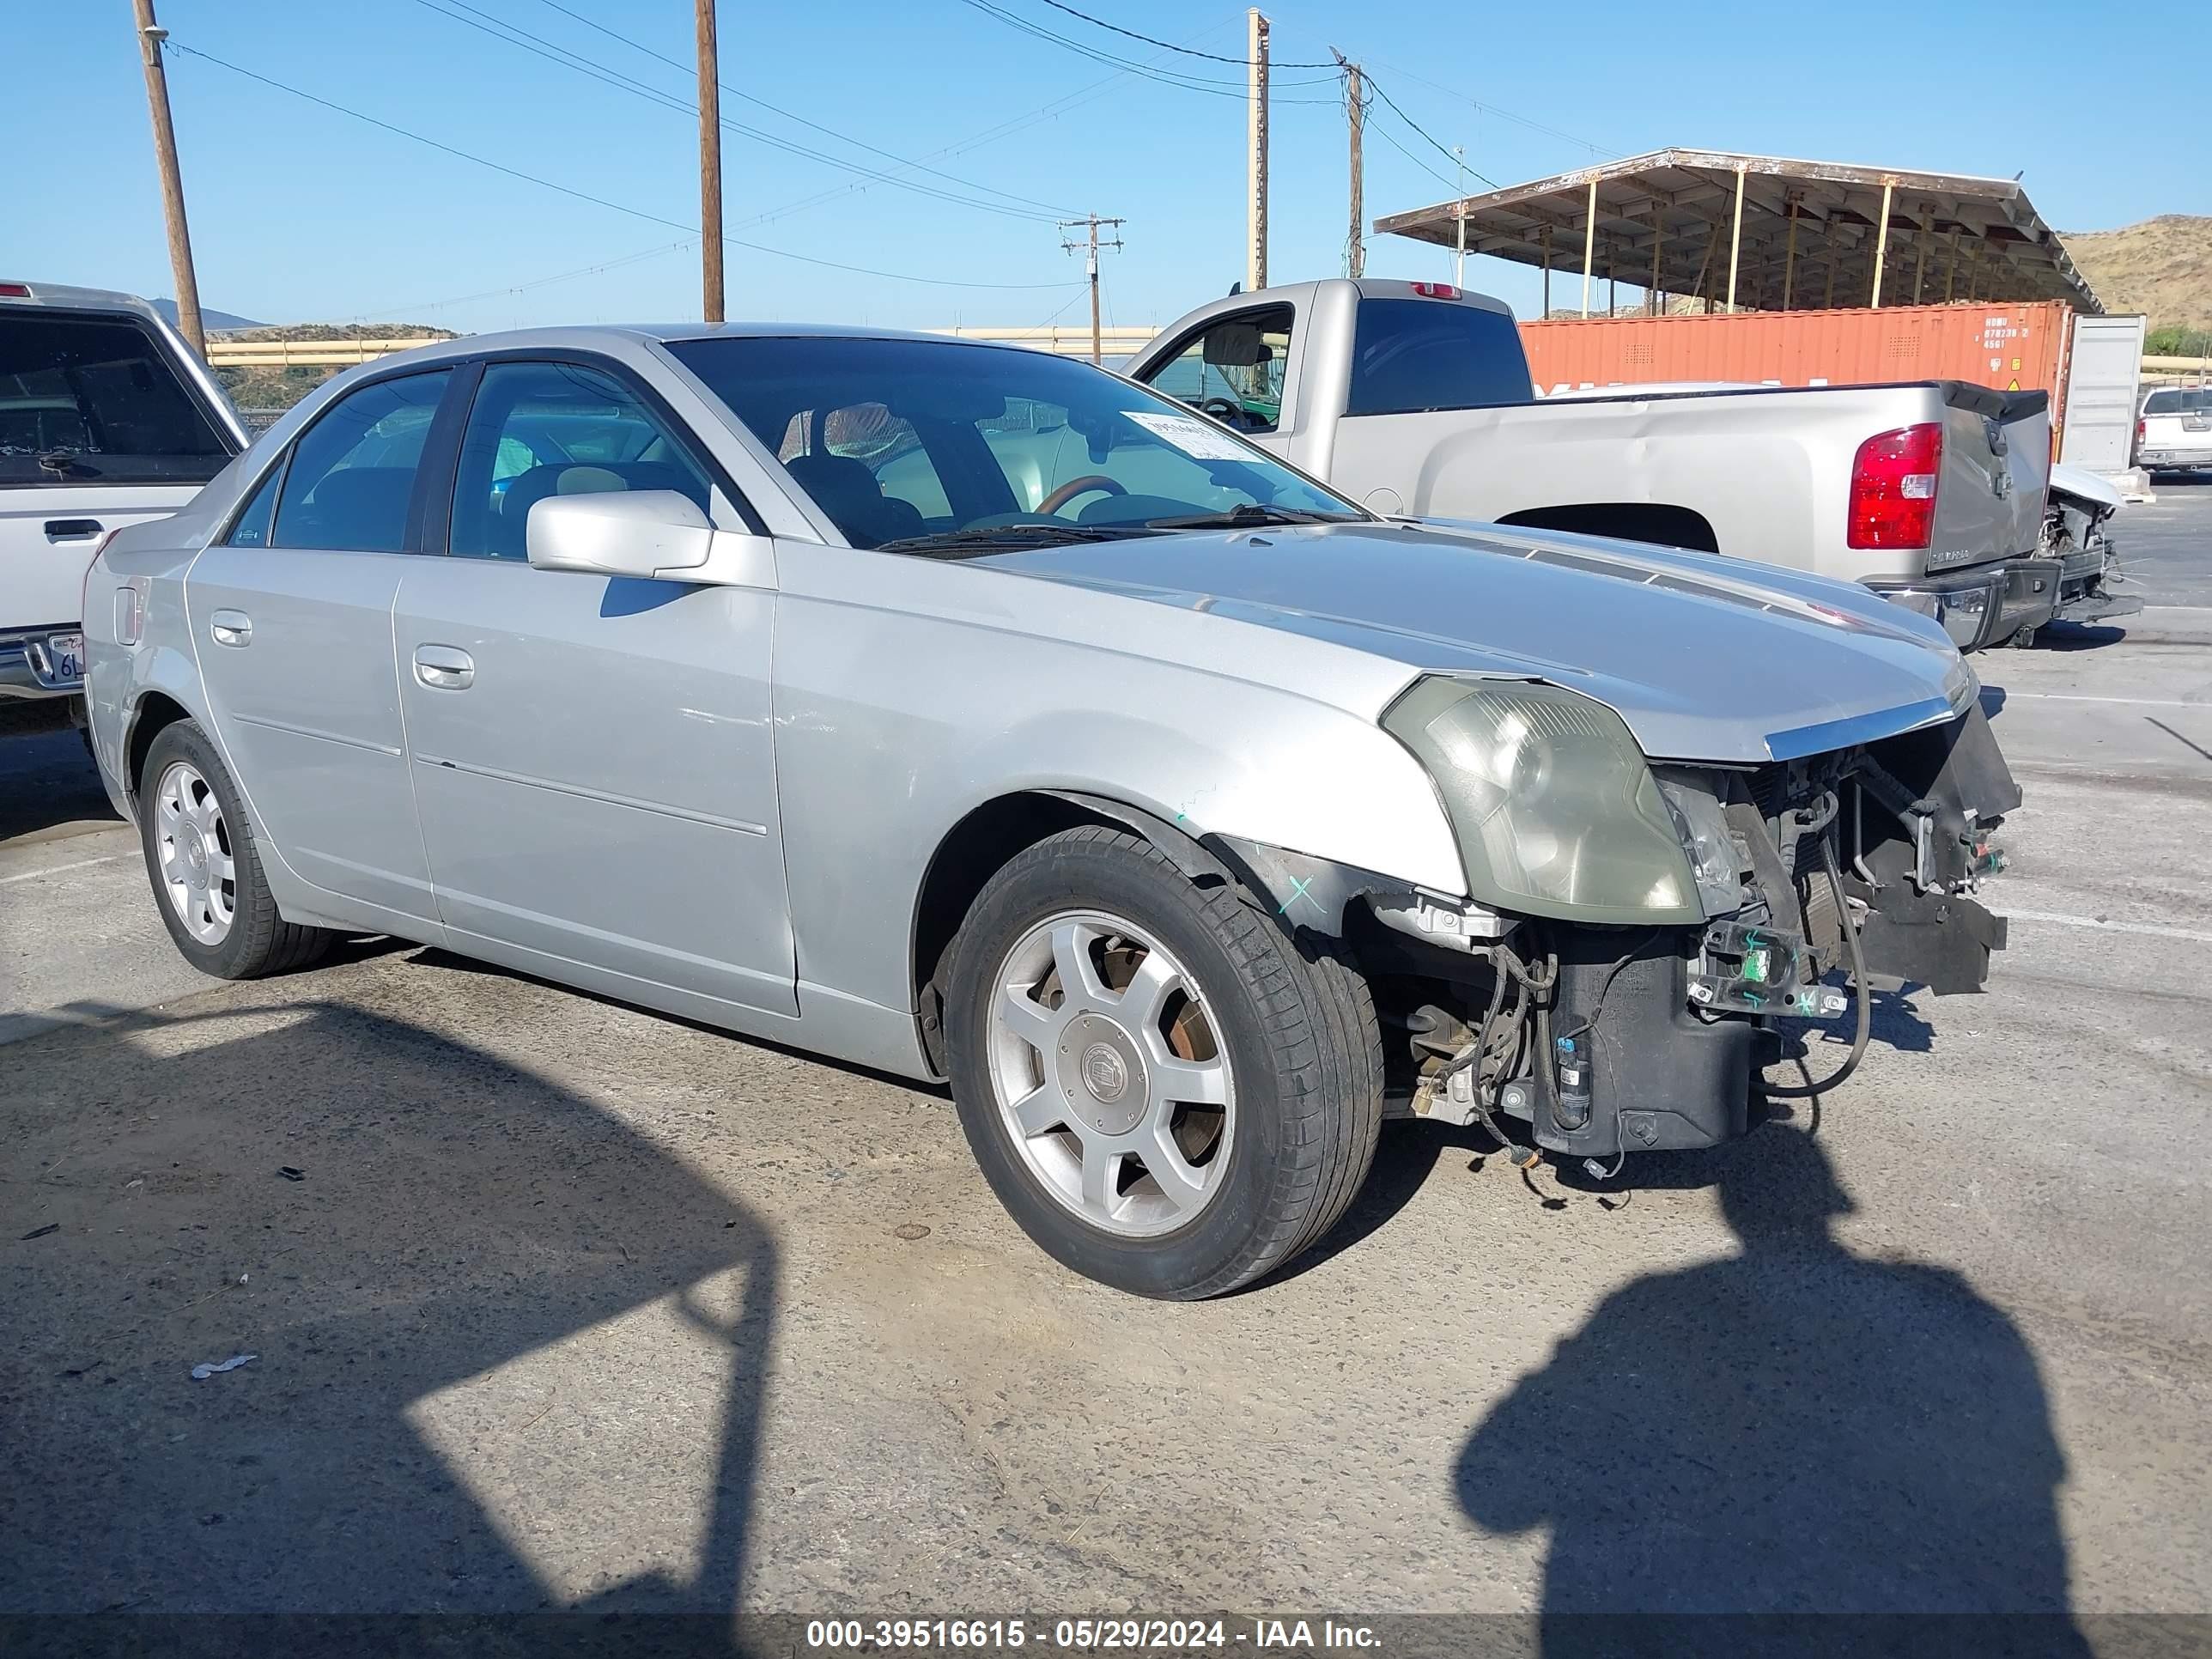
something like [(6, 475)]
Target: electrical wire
[(498, 29), (176, 46), (1166, 77), (1383, 93), (762, 103), (1212, 57), (1808, 1089)]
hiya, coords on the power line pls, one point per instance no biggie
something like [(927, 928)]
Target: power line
[(858, 143), (585, 195), (1211, 56), (1166, 77), (1383, 93), (500, 30), (661, 252), (1482, 108)]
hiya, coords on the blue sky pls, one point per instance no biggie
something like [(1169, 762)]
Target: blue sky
[(300, 213)]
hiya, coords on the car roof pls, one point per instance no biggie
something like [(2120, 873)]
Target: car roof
[(601, 336)]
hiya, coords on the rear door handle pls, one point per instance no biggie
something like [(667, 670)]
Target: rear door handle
[(231, 627), (72, 530), (443, 668)]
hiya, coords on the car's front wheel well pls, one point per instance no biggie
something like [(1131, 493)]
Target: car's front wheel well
[(154, 712), (981, 845)]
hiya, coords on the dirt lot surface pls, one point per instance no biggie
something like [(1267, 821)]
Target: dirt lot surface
[(556, 1304)]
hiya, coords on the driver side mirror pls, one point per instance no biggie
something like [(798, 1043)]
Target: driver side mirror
[(648, 535)]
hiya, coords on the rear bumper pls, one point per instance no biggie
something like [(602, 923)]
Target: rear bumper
[(1986, 603), (26, 670), (2175, 455)]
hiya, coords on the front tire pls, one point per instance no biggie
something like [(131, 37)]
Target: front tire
[(204, 867), (1166, 1095)]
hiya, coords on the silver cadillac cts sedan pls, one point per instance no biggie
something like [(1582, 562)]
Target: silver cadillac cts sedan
[(978, 715)]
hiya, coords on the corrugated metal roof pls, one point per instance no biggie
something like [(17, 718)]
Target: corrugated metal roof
[(1950, 235)]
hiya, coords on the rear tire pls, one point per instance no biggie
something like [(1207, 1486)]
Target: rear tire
[(1285, 1045), (204, 867)]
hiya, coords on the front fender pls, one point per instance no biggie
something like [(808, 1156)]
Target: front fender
[(876, 762)]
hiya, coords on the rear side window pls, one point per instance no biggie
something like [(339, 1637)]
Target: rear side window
[(1409, 355), (95, 399), (353, 472), (251, 527)]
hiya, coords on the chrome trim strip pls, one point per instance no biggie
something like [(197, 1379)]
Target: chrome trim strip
[(295, 730), (1853, 729), (577, 790)]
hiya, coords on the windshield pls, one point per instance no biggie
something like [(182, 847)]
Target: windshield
[(88, 399), (911, 443)]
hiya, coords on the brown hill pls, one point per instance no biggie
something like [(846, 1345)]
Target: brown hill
[(2161, 267)]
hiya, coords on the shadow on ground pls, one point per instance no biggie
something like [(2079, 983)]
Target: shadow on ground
[(445, 1214), (47, 777), (1793, 1430)]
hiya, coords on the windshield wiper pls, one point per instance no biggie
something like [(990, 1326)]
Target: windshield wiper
[(1252, 513), (978, 539)]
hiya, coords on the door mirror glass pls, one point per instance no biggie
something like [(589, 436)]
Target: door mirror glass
[(651, 534)]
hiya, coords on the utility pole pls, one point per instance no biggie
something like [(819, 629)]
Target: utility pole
[(1355, 110), (1256, 254), (1090, 245), (150, 36), (1459, 219), (710, 163)]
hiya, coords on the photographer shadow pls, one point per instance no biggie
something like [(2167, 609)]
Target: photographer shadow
[(1792, 1430)]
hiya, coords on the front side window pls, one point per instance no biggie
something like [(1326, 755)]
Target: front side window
[(1234, 369), (918, 444), (537, 430), (353, 471), (95, 399)]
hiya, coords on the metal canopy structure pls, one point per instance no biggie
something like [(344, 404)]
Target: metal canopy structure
[(1766, 233)]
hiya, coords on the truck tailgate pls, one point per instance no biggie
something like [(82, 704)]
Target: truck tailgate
[(1997, 467), (49, 533)]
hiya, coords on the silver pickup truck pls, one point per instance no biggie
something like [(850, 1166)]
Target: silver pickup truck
[(107, 418), (1415, 398)]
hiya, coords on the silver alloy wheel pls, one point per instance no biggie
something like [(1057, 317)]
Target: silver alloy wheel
[(193, 845), (1108, 1074)]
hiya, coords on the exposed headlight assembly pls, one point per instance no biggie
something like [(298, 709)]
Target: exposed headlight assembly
[(1554, 809)]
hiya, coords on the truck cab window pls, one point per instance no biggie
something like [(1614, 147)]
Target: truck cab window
[(1234, 368)]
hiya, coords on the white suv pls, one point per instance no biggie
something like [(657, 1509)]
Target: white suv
[(2174, 428)]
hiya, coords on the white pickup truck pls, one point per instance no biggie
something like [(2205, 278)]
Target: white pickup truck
[(1415, 398), (107, 418)]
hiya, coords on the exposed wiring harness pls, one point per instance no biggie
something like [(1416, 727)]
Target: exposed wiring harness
[(1808, 1089), (1495, 1053)]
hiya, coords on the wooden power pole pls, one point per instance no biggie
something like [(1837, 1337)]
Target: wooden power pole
[(1255, 256), (710, 163), (150, 36), (1090, 245), (1355, 111)]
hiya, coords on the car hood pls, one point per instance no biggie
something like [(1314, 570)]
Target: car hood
[(1705, 657)]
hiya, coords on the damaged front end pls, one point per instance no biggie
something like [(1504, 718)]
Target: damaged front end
[(1607, 1035)]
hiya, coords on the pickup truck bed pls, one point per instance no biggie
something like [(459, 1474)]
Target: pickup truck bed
[(1415, 398)]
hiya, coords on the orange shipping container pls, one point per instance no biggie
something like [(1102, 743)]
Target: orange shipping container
[(2010, 347)]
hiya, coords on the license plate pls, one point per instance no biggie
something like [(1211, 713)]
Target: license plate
[(65, 656)]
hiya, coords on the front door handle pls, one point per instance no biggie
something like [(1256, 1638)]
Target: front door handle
[(231, 627), (443, 668), (72, 530)]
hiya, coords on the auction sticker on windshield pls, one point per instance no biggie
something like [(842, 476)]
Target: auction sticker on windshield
[(1190, 435)]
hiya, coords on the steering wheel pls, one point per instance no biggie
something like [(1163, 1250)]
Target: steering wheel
[(1082, 486), (1221, 408)]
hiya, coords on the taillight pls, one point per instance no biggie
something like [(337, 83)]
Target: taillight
[(1893, 488), (1435, 291), (2142, 430), (84, 588)]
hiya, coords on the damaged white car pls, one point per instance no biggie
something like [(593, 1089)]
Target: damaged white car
[(974, 715)]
